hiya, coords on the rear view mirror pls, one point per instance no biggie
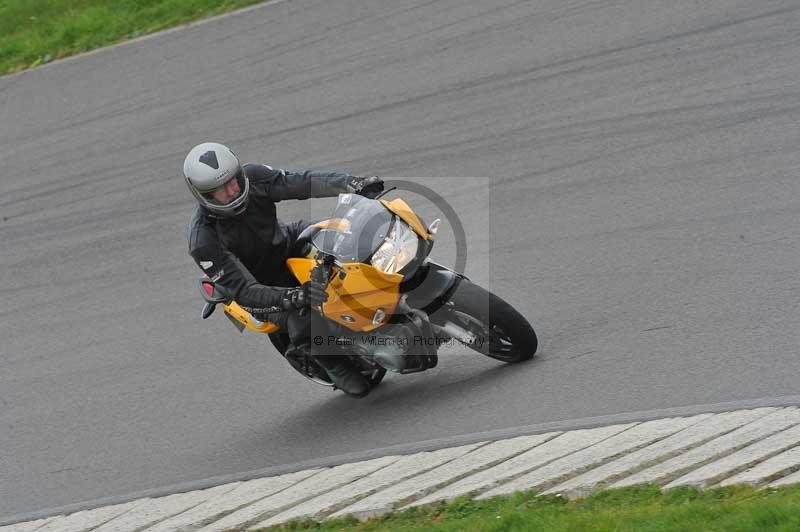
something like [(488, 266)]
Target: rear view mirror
[(213, 293)]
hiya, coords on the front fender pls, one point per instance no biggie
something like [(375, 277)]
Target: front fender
[(430, 287)]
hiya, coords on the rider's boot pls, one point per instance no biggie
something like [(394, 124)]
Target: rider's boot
[(340, 370), (344, 374)]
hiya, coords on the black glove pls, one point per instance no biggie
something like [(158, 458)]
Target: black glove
[(310, 294), (369, 187)]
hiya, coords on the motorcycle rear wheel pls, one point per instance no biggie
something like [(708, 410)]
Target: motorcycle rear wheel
[(505, 333)]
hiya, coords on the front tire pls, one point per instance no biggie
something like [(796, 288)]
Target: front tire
[(506, 334)]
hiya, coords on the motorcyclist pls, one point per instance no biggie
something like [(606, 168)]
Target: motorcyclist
[(237, 240)]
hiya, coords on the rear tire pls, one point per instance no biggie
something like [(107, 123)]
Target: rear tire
[(507, 336)]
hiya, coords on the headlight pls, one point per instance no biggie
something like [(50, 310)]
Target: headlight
[(398, 249)]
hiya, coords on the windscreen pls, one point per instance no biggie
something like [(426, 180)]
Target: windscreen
[(365, 224)]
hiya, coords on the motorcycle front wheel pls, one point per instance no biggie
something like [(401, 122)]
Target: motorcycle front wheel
[(502, 333)]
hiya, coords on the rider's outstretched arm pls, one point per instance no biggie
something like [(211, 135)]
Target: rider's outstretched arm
[(284, 184)]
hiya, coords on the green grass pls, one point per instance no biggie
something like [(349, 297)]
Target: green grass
[(33, 32), (737, 508)]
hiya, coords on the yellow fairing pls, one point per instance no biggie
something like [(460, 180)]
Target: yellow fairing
[(245, 318), (353, 301), (401, 209)]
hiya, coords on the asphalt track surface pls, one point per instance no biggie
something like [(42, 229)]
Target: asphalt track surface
[(640, 204)]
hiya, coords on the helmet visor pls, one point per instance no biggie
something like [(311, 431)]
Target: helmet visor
[(228, 192)]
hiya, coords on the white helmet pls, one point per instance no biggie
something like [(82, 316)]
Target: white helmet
[(209, 167)]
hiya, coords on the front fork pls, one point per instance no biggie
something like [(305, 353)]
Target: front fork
[(448, 329)]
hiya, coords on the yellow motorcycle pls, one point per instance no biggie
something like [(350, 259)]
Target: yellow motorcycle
[(390, 307)]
